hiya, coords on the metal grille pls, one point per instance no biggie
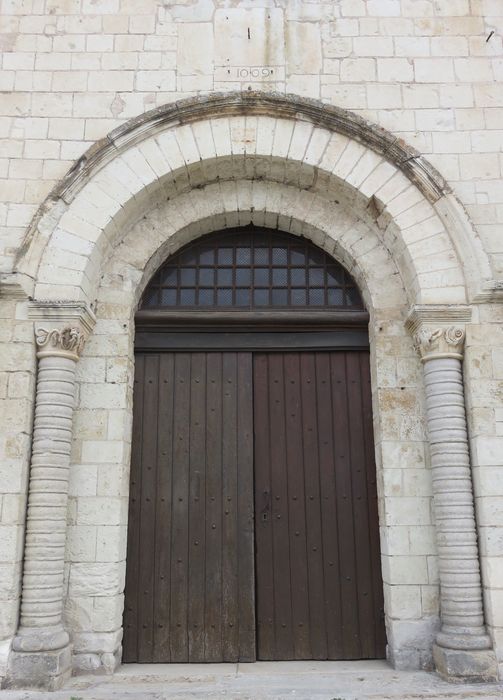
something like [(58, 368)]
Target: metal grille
[(251, 268)]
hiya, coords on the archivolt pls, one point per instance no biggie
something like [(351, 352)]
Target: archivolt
[(317, 149), (334, 227)]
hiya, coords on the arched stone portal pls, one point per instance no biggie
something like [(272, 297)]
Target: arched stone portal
[(253, 530), (365, 198)]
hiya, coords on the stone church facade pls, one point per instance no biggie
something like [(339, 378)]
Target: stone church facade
[(132, 128)]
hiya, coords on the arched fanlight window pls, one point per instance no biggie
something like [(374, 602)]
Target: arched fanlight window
[(251, 269)]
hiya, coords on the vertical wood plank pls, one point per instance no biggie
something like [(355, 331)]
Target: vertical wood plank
[(162, 576), (230, 613), (347, 559), (180, 511), (130, 642), (196, 505), (246, 567), (360, 512), (214, 514), (328, 505), (147, 510), (296, 508), (279, 511), (263, 525), (379, 650), (313, 507)]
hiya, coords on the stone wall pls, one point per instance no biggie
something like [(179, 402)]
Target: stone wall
[(430, 71), (425, 69)]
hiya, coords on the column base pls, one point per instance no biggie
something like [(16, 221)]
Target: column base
[(47, 670), (466, 665)]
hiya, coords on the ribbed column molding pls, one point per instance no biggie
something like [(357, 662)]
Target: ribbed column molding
[(463, 649), (41, 652)]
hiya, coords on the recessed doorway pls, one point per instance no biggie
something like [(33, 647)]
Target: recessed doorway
[(253, 526)]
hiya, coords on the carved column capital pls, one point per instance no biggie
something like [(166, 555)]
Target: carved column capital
[(61, 328), (435, 343), (438, 330), (67, 341)]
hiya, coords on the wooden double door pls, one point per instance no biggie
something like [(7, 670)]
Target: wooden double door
[(253, 526)]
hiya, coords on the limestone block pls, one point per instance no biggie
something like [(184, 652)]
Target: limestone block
[(111, 543), (100, 451), (403, 602), (85, 663), (10, 544), (102, 396), (78, 613), (49, 670), (5, 646), (91, 424), (13, 509), (100, 511), (422, 540), (493, 567), (430, 600), (81, 543), (333, 152), (358, 69), (113, 479), (395, 70), (408, 511), (83, 479), (301, 137), (249, 37), (410, 642), (9, 619), (97, 643), (195, 49), (98, 579), (107, 613), (491, 541), (303, 47), (119, 426), (458, 665), (306, 86), (487, 451), (488, 481), (409, 570), (348, 159)]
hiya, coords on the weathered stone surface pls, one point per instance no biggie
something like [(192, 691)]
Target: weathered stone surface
[(465, 666), (397, 106), (47, 669)]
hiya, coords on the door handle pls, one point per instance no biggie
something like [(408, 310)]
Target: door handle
[(264, 513)]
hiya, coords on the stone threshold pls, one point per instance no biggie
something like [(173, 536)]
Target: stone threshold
[(264, 680)]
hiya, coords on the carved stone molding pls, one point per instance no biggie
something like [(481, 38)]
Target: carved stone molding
[(438, 330), (61, 327), (440, 342), (69, 341)]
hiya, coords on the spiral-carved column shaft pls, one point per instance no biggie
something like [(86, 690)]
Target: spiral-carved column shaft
[(463, 648), (48, 493), (41, 653), (461, 594)]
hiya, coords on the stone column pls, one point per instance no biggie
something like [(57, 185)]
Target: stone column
[(463, 650), (41, 653)]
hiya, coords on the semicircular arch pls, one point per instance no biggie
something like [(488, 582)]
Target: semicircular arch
[(319, 149)]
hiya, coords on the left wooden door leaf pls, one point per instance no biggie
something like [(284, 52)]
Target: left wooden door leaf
[(190, 589)]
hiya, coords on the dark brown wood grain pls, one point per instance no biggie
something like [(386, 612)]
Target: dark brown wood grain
[(190, 572), (130, 638), (162, 564), (253, 526), (319, 589)]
